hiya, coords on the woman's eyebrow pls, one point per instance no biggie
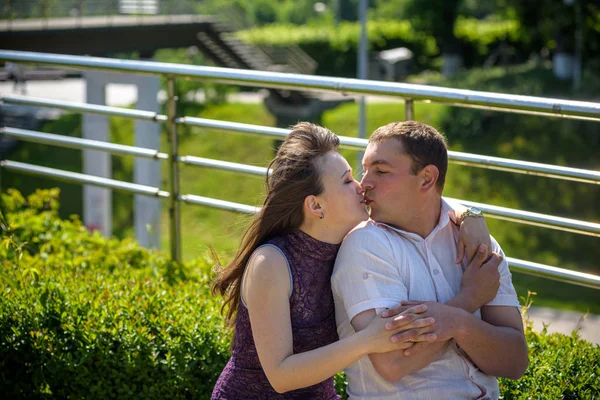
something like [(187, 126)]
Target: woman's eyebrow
[(345, 172)]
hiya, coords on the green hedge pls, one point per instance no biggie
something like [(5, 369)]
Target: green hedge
[(82, 316), (334, 47)]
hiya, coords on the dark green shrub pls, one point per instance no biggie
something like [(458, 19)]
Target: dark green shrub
[(560, 367), (82, 316)]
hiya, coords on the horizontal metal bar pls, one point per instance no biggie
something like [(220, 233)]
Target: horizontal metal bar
[(516, 265), (259, 130), (525, 217), (85, 108), (503, 164), (278, 80), (558, 274), (234, 126), (222, 204), (510, 214), (525, 167), (473, 160), (75, 177), (79, 143), (530, 218), (218, 164)]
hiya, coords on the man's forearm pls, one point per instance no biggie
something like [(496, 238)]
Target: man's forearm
[(464, 301), (496, 350), (401, 365)]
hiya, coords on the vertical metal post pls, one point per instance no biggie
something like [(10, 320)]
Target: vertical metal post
[(174, 205), (409, 109), (362, 73)]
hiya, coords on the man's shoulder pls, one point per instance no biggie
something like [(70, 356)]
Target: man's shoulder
[(365, 241), (366, 229)]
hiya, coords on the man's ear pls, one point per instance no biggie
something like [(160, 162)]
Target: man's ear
[(429, 176), (312, 206)]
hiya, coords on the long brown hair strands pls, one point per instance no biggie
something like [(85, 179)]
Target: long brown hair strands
[(295, 175)]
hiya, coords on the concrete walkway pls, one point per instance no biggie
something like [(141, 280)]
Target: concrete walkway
[(565, 322)]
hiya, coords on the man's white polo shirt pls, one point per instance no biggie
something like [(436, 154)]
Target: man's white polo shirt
[(377, 267)]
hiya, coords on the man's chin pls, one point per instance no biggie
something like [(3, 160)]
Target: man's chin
[(377, 216)]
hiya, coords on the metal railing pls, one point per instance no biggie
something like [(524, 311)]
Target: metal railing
[(28, 14), (47, 9), (410, 93), (234, 18)]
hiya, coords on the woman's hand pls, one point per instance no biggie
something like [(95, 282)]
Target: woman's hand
[(472, 233), (402, 330)]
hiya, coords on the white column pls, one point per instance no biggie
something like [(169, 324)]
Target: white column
[(147, 172), (97, 202)]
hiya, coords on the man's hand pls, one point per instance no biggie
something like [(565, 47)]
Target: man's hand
[(479, 282), (472, 233), (447, 322)]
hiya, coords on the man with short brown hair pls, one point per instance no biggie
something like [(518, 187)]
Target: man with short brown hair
[(421, 142), (407, 252)]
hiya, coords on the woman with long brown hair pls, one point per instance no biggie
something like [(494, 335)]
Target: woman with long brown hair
[(277, 288)]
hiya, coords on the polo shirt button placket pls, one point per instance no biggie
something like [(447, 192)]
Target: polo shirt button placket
[(432, 270), (428, 253)]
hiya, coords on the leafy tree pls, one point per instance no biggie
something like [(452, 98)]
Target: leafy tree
[(438, 18), (552, 24)]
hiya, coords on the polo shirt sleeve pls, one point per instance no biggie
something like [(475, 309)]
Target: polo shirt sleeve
[(507, 295), (366, 274)]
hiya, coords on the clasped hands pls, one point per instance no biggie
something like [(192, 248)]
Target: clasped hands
[(418, 323)]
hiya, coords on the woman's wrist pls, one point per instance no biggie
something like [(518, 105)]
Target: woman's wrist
[(363, 342)]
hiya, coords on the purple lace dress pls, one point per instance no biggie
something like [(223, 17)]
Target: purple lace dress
[(313, 323)]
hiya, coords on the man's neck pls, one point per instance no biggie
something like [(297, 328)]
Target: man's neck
[(431, 217), (424, 218)]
